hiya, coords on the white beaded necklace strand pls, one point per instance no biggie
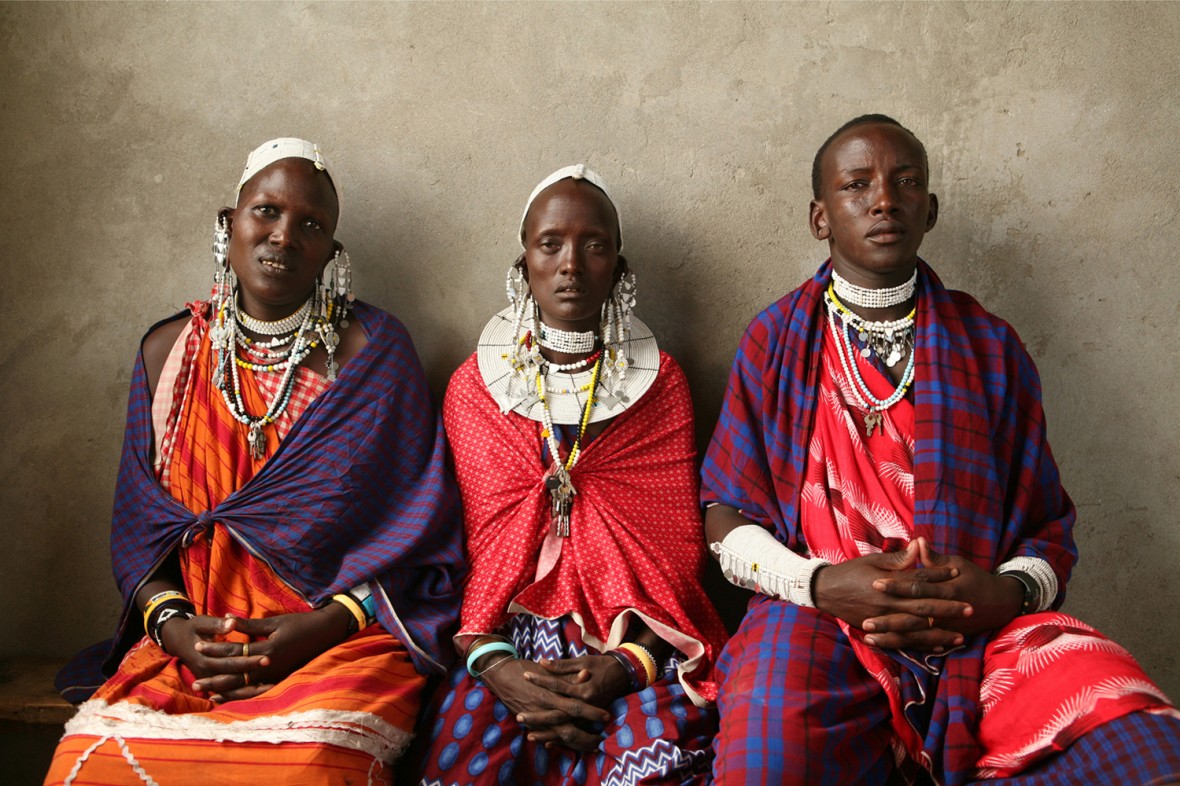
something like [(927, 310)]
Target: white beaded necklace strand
[(874, 298)]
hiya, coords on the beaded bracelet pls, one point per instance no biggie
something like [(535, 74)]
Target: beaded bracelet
[(644, 657), (157, 600), (630, 667), (171, 612), (354, 608), (484, 649)]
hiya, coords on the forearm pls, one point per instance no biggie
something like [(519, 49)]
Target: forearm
[(752, 558)]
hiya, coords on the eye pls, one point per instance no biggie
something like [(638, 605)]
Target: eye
[(855, 185), (910, 181), (266, 210), (549, 244), (313, 225)]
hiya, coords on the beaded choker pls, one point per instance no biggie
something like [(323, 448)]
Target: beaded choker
[(278, 327), (874, 298), (569, 342)]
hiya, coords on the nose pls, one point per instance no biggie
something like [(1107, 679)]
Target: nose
[(282, 232), (884, 199), (572, 260)]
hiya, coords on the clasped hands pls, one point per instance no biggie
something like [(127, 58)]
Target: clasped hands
[(930, 608), (560, 701), (230, 670)]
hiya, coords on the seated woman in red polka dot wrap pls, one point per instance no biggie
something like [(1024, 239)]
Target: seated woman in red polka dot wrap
[(587, 642)]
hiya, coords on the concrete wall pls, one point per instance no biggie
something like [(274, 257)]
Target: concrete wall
[(1052, 138)]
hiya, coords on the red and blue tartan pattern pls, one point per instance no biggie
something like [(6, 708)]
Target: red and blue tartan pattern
[(357, 490), (986, 485)]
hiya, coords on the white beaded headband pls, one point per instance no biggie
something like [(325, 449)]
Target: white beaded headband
[(574, 172), (287, 147)]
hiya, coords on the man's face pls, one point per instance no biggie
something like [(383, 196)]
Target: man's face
[(874, 206)]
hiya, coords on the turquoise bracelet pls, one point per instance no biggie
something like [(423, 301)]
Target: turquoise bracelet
[(484, 649)]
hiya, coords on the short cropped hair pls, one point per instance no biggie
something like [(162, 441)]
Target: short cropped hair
[(863, 120)]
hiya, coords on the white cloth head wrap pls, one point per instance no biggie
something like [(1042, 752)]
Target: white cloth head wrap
[(287, 147), (575, 172)]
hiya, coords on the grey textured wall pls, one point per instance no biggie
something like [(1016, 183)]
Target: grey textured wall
[(1052, 137)]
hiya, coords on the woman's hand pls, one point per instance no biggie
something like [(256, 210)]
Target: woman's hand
[(279, 645), (920, 610), (994, 600), (198, 643), (552, 717), (594, 679)]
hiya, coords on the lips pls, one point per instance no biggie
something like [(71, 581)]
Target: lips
[(274, 263), (887, 230)]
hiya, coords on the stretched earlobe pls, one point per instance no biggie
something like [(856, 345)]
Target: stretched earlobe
[(932, 216), (817, 222), (622, 268)]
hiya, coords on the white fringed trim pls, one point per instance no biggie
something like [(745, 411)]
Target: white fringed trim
[(360, 731)]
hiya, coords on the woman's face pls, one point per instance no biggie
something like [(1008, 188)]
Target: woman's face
[(571, 253), (281, 236)]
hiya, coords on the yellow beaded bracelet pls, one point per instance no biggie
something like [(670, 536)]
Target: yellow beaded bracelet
[(156, 600), (649, 665), (354, 609)]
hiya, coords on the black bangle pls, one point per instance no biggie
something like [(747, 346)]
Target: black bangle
[(1031, 602)]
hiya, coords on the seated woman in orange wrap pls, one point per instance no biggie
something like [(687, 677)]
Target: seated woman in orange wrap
[(285, 536)]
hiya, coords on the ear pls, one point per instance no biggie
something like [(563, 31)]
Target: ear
[(523, 267), (621, 268), (932, 217), (226, 214), (818, 221), (337, 250)]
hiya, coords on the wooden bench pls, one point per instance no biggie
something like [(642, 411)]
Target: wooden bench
[(27, 694)]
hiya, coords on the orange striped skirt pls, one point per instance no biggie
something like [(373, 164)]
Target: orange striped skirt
[(343, 718)]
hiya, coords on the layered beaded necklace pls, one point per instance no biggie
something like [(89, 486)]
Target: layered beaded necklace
[(894, 337), (292, 339), (558, 483)]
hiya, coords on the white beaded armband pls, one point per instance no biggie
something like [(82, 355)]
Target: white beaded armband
[(1042, 575), (752, 558)]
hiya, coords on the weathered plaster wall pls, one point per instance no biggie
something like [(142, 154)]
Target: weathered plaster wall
[(1052, 137)]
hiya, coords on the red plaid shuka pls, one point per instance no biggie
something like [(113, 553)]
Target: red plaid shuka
[(968, 467)]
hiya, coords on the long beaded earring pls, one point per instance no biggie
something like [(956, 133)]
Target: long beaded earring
[(221, 302), (616, 329)]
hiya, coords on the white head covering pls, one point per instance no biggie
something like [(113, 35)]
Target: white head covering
[(575, 172), (287, 147)]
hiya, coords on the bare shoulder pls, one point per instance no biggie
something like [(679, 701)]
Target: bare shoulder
[(156, 347), (352, 341)]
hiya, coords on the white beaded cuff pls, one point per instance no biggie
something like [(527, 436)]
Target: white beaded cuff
[(1039, 571), (752, 558)]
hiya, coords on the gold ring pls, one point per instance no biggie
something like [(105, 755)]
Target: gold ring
[(931, 621), (245, 679), (246, 650)]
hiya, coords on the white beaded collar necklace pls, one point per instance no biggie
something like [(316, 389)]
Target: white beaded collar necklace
[(873, 298)]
